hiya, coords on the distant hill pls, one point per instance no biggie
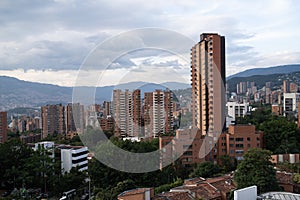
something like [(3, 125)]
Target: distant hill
[(283, 69), (260, 80), (17, 93)]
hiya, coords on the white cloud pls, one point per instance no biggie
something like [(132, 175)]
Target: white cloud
[(57, 35)]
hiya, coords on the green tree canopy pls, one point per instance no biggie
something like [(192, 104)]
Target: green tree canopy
[(281, 135), (256, 169), (205, 170)]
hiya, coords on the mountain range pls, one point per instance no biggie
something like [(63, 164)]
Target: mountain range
[(17, 93), (282, 69)]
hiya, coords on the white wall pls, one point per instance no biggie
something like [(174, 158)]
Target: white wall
[(249, 193)]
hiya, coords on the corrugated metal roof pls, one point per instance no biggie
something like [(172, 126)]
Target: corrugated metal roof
[(280, 196)]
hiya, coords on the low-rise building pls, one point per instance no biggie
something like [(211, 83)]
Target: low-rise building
[(31, 138), (241, 138), (236, 109), (137, 194), (187, 143), (289, 158), (277, 109), (70, 156), (218, 188), (73, 156)]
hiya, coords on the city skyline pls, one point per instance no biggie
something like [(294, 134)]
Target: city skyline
[(34, 52)]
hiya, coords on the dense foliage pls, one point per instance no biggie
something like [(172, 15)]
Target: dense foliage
[(21, 167), (281, 134), (257, 169), (205, 170)]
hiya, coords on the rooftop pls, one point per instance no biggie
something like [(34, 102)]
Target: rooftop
[(134, 191), (279, 196)]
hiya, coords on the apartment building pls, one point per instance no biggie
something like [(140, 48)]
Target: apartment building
[(240, 139), (70, 156), (127, 113), (73, 156), (74, 118), (3, 127), (208, 83), (236, 109), (158, 113), (290, 104), (187, 143), (53, 120)]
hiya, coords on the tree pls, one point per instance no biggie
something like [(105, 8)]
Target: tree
[(281, 135), (13, 156), (205, 170), (296, 178), (227, 164), (256, 169)]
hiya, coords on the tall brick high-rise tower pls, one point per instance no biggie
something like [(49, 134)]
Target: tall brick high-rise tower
[(3, 127), (208, 83)]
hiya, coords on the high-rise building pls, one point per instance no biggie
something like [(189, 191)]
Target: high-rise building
[(286, 86), (148, 113), (298, 115), (158, 113), (293, 87), (208, 82), (137, 113), (106, 108), (200, 143), (53, 120), (74, 118), (169, 108), (290, 104), (127, 112), (3, 127)]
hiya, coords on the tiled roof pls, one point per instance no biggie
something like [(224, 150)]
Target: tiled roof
[(173, 196), (201, 188), (134, 191), (284, 177)]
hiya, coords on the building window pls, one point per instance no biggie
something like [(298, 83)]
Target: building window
[(187, 146), (239, 151), (248, 139), (239, 139), (188, 153)]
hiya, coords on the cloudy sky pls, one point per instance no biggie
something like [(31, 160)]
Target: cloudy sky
[(48, 41)]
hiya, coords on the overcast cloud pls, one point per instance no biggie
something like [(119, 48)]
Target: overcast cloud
[(53, 37)]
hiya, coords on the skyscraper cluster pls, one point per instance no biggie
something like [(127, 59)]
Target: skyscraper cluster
[(136, 117), (59, 119)]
